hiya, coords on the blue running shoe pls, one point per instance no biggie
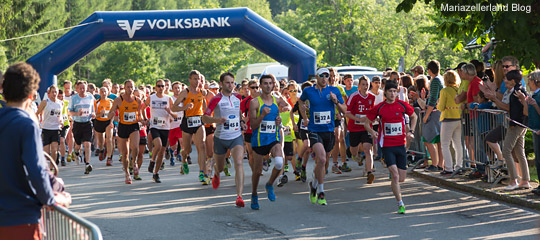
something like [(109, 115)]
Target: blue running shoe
[(254, 202), (270, 191)]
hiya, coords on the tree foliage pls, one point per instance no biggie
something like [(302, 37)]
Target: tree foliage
[(517, 33)]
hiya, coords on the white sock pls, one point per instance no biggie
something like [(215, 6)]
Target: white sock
[(320, 188), (315, 183), (400, 203)]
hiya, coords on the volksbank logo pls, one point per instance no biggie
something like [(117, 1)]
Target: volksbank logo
[(181, 23)]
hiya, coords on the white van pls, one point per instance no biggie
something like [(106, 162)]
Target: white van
[(252, 71), (279, 71)]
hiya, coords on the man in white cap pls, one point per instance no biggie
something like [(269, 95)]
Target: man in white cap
[(323, 100)]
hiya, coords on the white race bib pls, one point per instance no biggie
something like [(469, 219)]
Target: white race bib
[(159, 121), (393, 129), (359, 116), (194, 121), (85, 112), (322, 117), (232, 124), (287, 131), (130, 117), (302, 125), (267, 127)]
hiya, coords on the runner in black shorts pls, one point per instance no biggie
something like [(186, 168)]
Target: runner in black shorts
[(321, 127), (392, 134), (81, 108), (303, 153)]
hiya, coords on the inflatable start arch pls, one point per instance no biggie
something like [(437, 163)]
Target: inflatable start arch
[(170, 25)]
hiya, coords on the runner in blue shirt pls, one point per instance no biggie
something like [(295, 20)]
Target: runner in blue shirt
[(323, 100)]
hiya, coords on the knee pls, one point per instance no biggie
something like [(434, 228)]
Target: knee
[(278, 163)]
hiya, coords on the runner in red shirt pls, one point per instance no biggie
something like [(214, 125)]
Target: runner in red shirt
[(358, 105), (253, 87), (392, 133)]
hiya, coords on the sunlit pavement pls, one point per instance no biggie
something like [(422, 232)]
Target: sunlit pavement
[(182, 208)]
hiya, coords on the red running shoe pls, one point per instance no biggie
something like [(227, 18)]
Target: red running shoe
[(239, 202), (215, 181)]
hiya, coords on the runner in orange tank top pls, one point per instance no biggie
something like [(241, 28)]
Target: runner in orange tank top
[(129, 112), (194, 101)]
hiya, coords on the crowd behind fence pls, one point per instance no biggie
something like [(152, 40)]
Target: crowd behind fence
[(60, 223), (476, 124)]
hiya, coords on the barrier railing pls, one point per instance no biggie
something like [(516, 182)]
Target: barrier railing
[(416, 152), (60, 223)]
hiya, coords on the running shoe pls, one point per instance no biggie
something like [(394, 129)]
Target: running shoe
[(370, 178), (97, 152), (185, 168), (335, 169), (240, 202), (226, 170), (312, 192), (303, 175), (63, 162), (109, 161), (189, 159), (321, 200), (88, 169), (297, 178), (178, 156), (401, 209), (201, 177), (156, 179), (130, 171), (228, 162), (445, 173), (150, 155), (270, 191), (361, 161), (70, 157), (345, 168), (172, 160), (206, 180), (215, 181), (102, 155), (265, 165), (286, 169), (254, 202), (431, 168), (128, 180), (298, 163), (162, 166), (137, 177), (151, 167), (282, 180), (120, 158)]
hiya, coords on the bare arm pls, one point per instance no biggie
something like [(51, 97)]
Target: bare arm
[(114, 107), (255, 121), (41, 107), (181, 97), (460, 97)]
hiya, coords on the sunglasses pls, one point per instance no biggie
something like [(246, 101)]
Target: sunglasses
[(293, 90), (160, 85), (507, 66), (254, 87), (324, 75)]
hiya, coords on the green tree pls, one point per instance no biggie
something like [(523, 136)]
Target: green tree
[(130, 60), (517, 33)]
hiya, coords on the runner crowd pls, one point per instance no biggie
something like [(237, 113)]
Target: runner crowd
[(281, 124)]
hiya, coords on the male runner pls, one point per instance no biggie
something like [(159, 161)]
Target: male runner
[(51, 123), (175, 134), (392, 134), (102, 124), (194, 101), (266, 123), (160, 124), (358, 104), (323, 100), (228, 134), (81, 109)]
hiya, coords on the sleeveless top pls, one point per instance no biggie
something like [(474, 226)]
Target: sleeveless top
[(127, 112), (52, 115), (267, 132), (197, 100), (160, 117), (179, 115), (103, 105)]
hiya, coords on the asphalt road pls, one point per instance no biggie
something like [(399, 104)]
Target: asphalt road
[(181, 208)]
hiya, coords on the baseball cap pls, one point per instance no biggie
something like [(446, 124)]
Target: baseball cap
[(460, 65), (213, 85), (419, 69), (322, 70)]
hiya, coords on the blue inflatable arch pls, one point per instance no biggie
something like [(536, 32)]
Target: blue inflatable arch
[(170, 25)]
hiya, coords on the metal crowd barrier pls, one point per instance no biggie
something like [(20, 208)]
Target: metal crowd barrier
[(416, 153), (60, 223), (477, 123)]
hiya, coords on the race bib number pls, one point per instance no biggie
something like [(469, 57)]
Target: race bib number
[(194, 121), (359, 116), (159, 121), (66, 118), (322, 117), (178, 119), (232, 124), (130, 116), (287, 131), (267, 127), (302, 125), (85, 112), (393, 129)]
